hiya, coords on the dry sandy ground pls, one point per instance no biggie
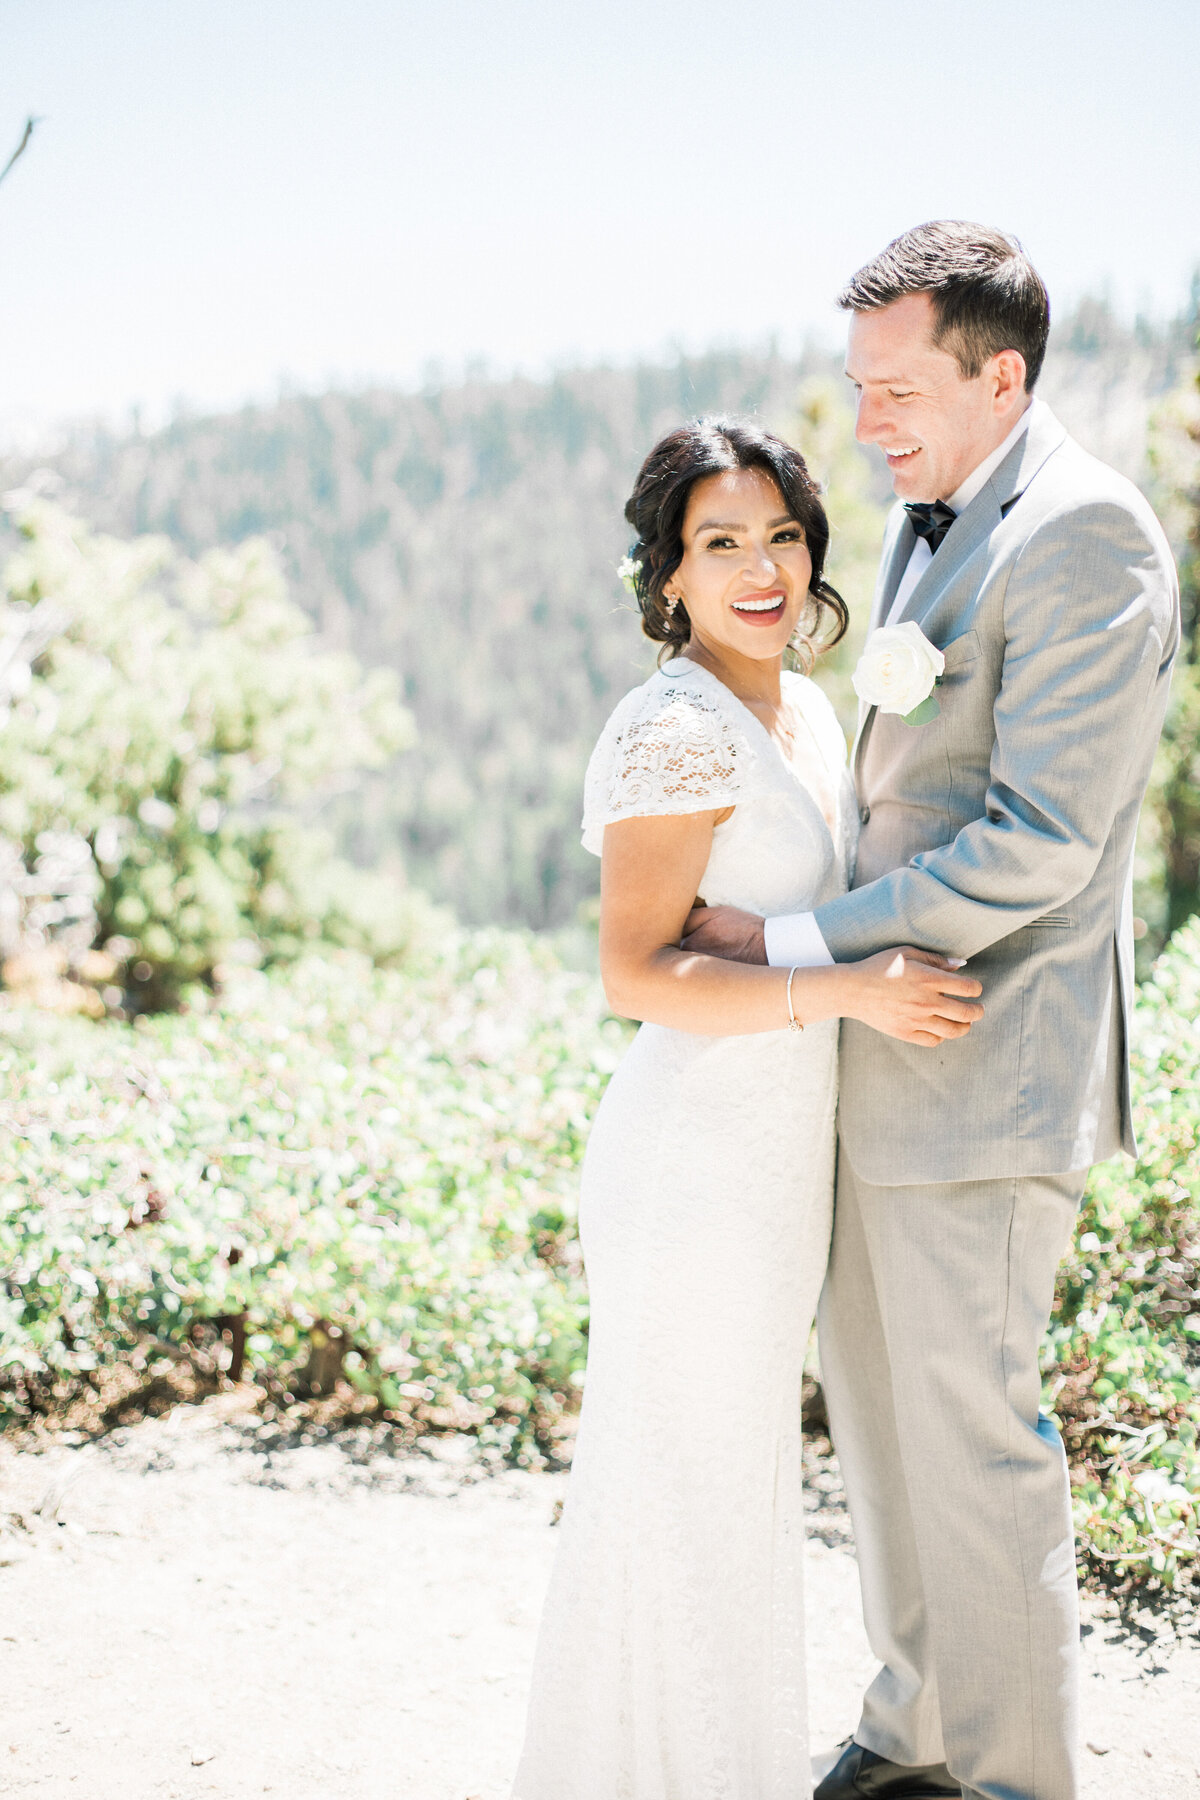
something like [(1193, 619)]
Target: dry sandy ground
[(199, 1608)]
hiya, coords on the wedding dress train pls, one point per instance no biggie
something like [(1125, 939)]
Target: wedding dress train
[(670, 1664)]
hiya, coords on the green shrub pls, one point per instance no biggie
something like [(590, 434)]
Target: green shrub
[(371, 1175), (1167, 887), (377, 1162), (168, 733), (1123, 1355)]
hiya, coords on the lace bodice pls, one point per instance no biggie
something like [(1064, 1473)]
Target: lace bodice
[(682, 742)]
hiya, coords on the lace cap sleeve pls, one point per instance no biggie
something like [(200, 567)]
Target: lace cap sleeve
[(671, 746)]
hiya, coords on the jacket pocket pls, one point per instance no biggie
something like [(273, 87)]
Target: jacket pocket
[(1060, 921), (960, 650)]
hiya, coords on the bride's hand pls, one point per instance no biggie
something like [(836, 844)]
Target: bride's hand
[(915, 996)]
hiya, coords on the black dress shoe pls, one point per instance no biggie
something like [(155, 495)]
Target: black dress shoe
[(859, 1774)]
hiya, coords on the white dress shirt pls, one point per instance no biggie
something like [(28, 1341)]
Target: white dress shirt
[(794, 940)]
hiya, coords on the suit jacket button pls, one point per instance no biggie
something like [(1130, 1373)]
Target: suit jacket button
[(864, 813)]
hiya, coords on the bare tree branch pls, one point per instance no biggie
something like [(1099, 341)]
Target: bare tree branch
[(25, 137)]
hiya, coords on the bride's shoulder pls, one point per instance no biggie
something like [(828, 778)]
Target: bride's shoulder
[(679, 699), (811, 699), (672, 745)]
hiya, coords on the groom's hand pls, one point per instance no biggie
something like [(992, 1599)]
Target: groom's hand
[(725, 931)]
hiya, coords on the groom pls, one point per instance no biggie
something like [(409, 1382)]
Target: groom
[(1001, 831)]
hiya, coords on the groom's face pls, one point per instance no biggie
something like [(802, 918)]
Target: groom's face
[(933, 425)]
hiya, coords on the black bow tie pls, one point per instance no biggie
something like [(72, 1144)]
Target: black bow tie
[(931, 519)]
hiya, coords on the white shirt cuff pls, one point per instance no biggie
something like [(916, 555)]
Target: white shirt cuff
[(795, 942)]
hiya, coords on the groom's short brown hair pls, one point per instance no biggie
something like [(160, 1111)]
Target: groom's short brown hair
[(987, 296)]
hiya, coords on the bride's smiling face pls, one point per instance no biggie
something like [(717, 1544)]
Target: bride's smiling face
[(745, 569)]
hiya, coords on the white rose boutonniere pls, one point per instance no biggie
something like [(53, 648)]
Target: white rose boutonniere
[(898, 672)]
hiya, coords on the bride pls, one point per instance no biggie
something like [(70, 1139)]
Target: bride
[(670, 1664)]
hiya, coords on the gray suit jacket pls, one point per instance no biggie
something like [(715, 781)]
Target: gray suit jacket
[(1003, 830)]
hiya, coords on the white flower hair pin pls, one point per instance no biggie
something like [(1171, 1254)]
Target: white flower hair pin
[(898, 672), (627, 573)]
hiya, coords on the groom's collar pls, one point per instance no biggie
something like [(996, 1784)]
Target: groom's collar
[(963, 495), (1035, 446)]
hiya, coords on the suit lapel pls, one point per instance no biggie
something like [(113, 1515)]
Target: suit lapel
[(897, 548), (972, 528), (975, 524)]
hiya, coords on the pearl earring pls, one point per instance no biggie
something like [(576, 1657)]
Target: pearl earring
[(672, 601)]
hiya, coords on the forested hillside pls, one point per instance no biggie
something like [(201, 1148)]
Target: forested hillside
[(304, 1131), (467, 536)]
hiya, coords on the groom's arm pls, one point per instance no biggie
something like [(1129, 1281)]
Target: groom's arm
[(1089, 615), (794, 941)]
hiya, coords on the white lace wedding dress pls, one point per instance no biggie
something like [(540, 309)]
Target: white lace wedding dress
[(670, 1664)]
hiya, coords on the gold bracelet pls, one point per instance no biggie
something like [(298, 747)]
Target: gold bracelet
[(793, 1022)]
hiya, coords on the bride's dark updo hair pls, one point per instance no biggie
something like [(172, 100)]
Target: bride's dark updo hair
[(659, 500)]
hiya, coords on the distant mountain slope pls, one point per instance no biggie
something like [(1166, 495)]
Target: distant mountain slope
[(468, 536)]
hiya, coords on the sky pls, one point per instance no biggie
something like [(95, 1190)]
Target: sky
[(225, 198)]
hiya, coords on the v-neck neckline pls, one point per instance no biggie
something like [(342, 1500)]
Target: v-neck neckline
[(830, 829)]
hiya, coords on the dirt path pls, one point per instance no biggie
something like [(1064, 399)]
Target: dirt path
[(202, 1609)]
